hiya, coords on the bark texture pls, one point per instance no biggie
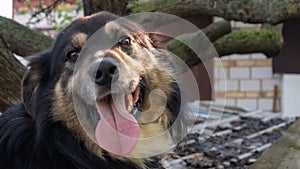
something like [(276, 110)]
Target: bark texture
[(185, 46), (11, 72), (22, 40), (250, 11), (114, 6), (16, 38), (249, 41), (225, 43)]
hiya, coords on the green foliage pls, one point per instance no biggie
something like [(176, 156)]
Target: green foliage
[(64, 16), (22, 12), (27, 2), (59, 14)]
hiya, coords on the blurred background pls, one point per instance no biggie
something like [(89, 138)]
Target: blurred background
[(258, 45)]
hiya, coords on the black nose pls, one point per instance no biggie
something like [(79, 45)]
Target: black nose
[(104, 72)]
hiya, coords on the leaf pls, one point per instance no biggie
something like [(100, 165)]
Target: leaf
[(27, 2), (59, 14)]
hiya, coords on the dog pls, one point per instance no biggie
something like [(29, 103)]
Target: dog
[(93, 107)]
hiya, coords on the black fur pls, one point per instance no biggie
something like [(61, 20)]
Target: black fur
[(30, 138), (55, 147)]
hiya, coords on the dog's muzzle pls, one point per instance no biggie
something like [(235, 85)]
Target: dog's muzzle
[(104, 72), (118, 130)]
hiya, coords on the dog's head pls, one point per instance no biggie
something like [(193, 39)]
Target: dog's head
[(114, 90)]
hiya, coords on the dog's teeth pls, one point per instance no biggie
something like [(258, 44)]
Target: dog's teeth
[(130, 97), (136, 112), (129, 102)]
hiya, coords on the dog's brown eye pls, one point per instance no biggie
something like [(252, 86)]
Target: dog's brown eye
[(125, 42), (72, 55)]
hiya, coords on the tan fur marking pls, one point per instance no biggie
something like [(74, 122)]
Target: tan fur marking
[(79, 39), (118, 55)]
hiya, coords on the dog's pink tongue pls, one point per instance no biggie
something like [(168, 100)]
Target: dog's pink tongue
[(117, 131)]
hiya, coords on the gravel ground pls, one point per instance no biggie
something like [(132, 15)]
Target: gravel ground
[(235, 145)]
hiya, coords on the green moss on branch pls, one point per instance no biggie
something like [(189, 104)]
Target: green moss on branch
[(248, 41), (251, 11), (22, 40), (180, 46)]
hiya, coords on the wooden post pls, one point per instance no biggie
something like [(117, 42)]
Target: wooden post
[(275, 96)]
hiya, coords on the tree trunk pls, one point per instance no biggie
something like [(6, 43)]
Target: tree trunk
[(11, 72), (250, 11), (114, 6), (21, 40), (16, 38)]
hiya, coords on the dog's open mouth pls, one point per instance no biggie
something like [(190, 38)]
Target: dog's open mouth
[(134, 100), (118, 130)]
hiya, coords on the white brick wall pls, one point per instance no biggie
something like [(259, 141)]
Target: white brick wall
[(268, 84), (225, 57), (220, 85), (236, 56), (232, 85), (239, 73), (261, 72), (229, 102), (258, 56), (247, 103), (220, 72), (265, 104), (250, 85)]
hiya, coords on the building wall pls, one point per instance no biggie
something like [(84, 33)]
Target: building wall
[(250, 81)]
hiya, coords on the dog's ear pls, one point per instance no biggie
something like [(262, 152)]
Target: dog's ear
[(31, 82), (159, 40), (29, 87)]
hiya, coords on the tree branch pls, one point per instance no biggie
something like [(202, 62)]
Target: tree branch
[(11, 72), (46, 10), (251, 11), (22, 40), (114, 6), (184, 44), (249, 41), (237, 42)]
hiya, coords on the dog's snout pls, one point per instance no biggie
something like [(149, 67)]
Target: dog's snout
[(105, 71)]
